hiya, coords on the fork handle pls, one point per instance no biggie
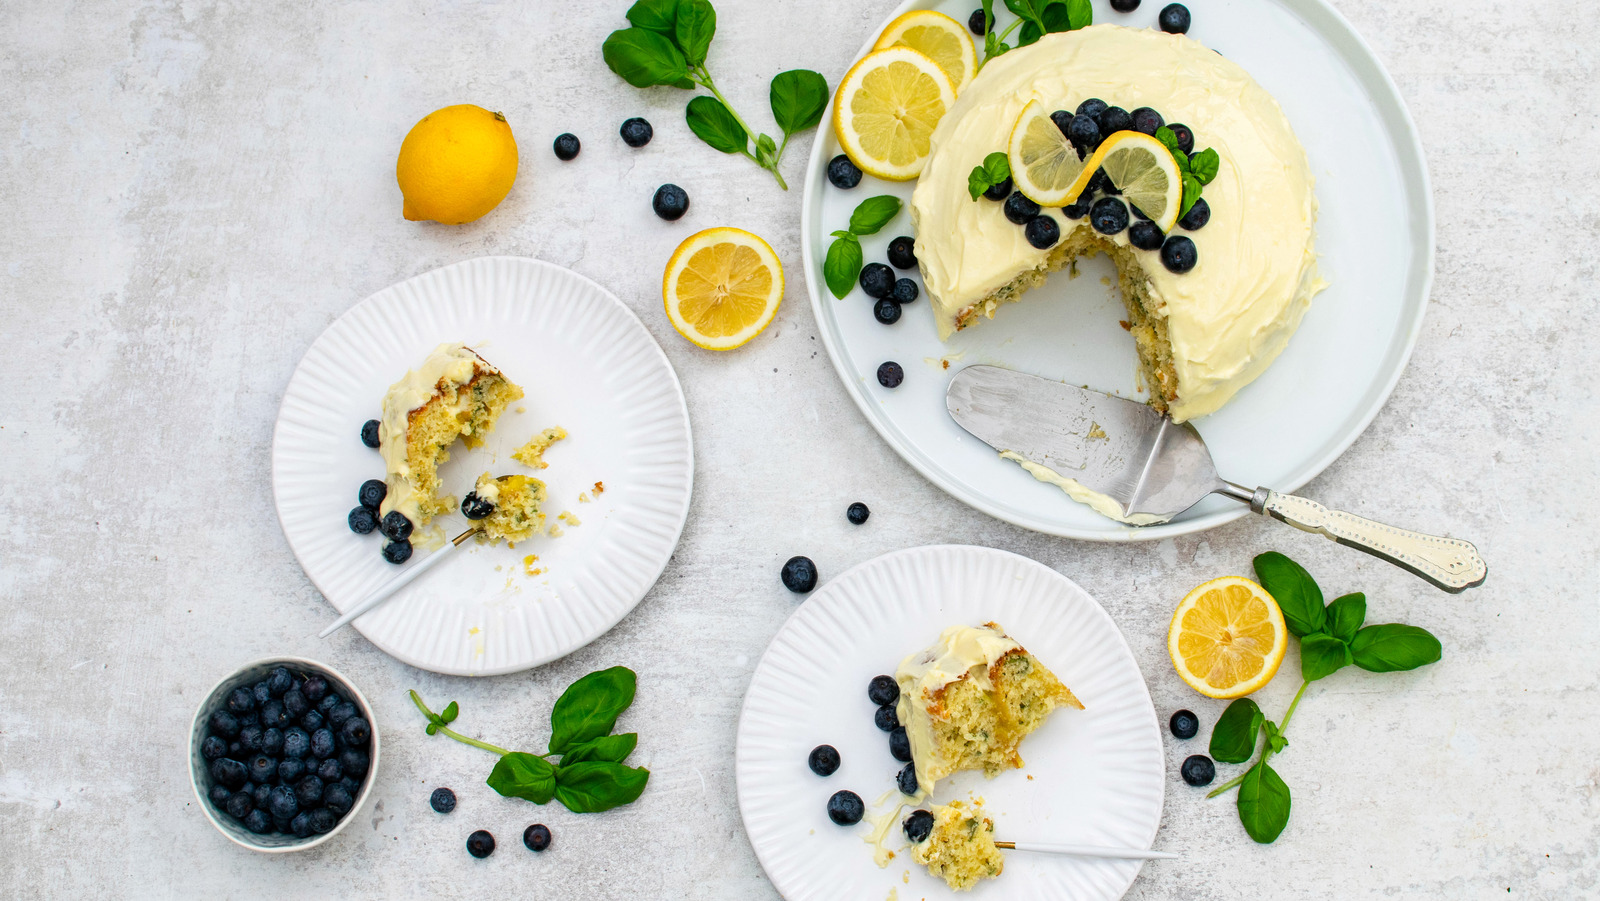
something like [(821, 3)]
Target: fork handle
[(1449, 563)]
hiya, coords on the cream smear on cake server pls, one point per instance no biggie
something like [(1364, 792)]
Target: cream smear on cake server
[(1099, 503), (962, 652)]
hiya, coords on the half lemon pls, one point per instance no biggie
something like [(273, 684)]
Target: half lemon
[(1044, 165), (1227, 638), (722, 287), (886, 109), (1144, 171), (939, 38)]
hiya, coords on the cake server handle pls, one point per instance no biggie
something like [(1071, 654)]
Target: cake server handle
[(1089, 851), (1449, 563), (398, 582)]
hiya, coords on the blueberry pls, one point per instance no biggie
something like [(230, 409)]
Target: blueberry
[(369, 433), (1000, 191), (249, 718), (241, 701), (636, 132), (350, 785), (219, 795), (312, 721), (260, 692), (281, 802), (1115, 119), (857, 513), (239, 805), (799, 575), (353, 734), (670, 202), (397, 552), (1174, 19), (233, 748), (1184, 135), (1138, 214), (886, 718), (1092, 107), (890, 375), (480, 844), (1080, 207), (1042, 232), (1084, 133), (330, 770), (296, 742), (354, 762), (308, 791), (877, 280), (323, 820), (1184, 724), (886, 311), (250, 737), (258, 822), (314, 688), (1146, 235), (224, 724), (919, 825), (263, 768), (1147, 120), (1199, 770), (842, 173), (1019, 209), (907, 779), (372, 493), (272, 742), (1109, 216), (338, 799), (1100, 183), (845, 808), (978, 23), (1063, 120), (362, 520), (329, 701), (1197, 217), (213, 748), (395, 527), (322, 744), (824, 760), (1179, 254), (567, 146), (900, 745), (903, 252), (273, 716), (883, 690), (301, 825), (536, 837), (474, 507), (443, 800), (295, 703), (279, 681), (1124, 6), (291, 768)]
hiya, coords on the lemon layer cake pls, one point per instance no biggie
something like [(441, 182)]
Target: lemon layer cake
[(960, 847)]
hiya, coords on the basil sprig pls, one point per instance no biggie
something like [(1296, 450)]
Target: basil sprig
[(995, 169), (1035, 18), (842, 266), (667, 43), (1196, 173), (588, 775), (1331, 638)]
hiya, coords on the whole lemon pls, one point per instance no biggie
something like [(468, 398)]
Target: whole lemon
[(456, 165)]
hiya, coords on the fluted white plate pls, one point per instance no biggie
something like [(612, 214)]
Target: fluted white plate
[(1093, 777), (587, 364)]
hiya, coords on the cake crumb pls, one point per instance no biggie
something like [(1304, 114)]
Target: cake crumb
[(522, 409), (527, 565), (1126, 325), (569, 518), (475, 630), (599, 488), (1104, 280), (1096, 432), (583, 497), (555, 530), (532, 453)]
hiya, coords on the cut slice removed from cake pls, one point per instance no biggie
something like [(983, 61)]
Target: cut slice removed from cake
[(516, 501), (960, 848), (532, 453)]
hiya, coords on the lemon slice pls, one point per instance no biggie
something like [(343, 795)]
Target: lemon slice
[(1044, 165), (722, 286), (939, 38), (886, 108), (1227, 638), (1144, 171)]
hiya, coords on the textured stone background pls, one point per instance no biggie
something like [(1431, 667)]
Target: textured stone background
[(193, 190)]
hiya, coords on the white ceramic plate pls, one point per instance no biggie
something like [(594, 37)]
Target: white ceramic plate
[(1375, 236), (587, 364), (1093, 776)]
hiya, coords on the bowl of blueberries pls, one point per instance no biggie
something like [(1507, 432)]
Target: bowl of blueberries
[(281, 753)]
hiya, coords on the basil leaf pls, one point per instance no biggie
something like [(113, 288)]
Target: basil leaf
[(696, 24), (1393, 648), (1059, 16), (1289, 584), (1028, 33), (1169, 139), (874, 213), (644, 58), (654, 15), (450, 713), (766, 151), (606, 749), (1275, 740), (799, 97), (988, 18), (523, 775), (1263, 803), (1233, 738), (995, 169), (1080, 14), (1191, 196), (843, 264), (993, 46), (1345, 616), (1322, 655), (1205, 165), (595, 786), (977, 182), (712, 123), (590, 707), (432, 728), (1032, 10)]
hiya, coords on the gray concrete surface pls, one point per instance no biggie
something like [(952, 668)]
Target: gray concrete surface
[(191, 191)]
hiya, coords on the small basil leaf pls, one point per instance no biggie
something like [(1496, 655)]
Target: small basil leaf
[(992, 46), (644, 58), (874, 213), (988, 17), (977, 182), (1275, 740), (1289, 584), (711, 122), (1080, 14), (1345, 616), (592, 787), (1191, 196), (1322, 655), (433, 728), (1233, 738), (1393, 648), (1031, 10), (606, 749), (1169, 139), (693, 29), (799, 97), (1028, 33), (523, 775), (1263, 803), (843, 264), (450, 713), (590, 707), (998, 165), (1205, 165), (654, 15), (766, 151)]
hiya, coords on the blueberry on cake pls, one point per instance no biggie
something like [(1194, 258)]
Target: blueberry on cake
[(956, 843), (506, 507), (968, 700)]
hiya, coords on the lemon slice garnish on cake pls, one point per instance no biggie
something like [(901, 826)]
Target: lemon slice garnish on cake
[(1044, 165), (722, 287), (1227, 638), (939, 38), (1144, 171), (886, 108)]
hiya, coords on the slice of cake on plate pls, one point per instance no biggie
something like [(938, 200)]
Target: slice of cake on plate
[(957, 844), (506, 507)]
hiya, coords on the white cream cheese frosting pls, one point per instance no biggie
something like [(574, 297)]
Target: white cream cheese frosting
[(1230, 316), (447, 368), (1100, 503), (962, 652)]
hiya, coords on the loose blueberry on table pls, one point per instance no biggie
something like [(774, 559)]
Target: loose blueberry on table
[(1198, 770), (886, 311), (369, 433), (857, 513), (902, 252), (918, 826), (480, 844), (824, 760), (890, 375), (845, 808), (799, 575), (842, 173), (566, 146), (536, 837), (636, 132), (1184, 724), (1174, 19), (670, 202)]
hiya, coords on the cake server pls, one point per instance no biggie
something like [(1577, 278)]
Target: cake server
[(1148, 464)]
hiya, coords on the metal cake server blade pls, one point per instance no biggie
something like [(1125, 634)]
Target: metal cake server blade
[(1148, 464)]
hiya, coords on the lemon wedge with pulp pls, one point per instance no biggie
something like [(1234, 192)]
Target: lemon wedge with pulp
[(1045, 166), (722, 287), (1227, 638), (939, 38), (886, 108), (1144, 171)]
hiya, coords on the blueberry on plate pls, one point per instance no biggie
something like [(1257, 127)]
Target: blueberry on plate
[(636, 132), (886, 718), (536, 837), (1199, 770), (443, 800), (241, 701), (308, 791), (291, 768), (799, 575), (918, 826), (369, 433), (1042, 232), (395, 527), (279, 681), (903, 252), (845, 808), (1000, 191), (1019, 209), (301, 825), (1124, 6), (567, 146), (474, 507), (877, 280), (338, 799), (1184, 135), (397, 552), (670, 203), (314, 688), (1109, 216), (1197, 217), (883, 690), (978, 23), (890, 375), (322, 744), (213, 748), (1174, 19), (323, 820), (1146, 235), (480, 844), (362, 520), (1147, 120), (886, 311), (904, 292), (1115, 119), (296, 742), (258, 822), (1092, 107), (1179, 254), (353, 734), (857, 513), (224, 724), (824, 760), (239, 805), (1184, 724), (900, 745), (372, 493), (907, 779), (842, 173)]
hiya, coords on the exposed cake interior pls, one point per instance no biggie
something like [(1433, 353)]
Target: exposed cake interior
[(532, 453), (517, 500), (960, 849)]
